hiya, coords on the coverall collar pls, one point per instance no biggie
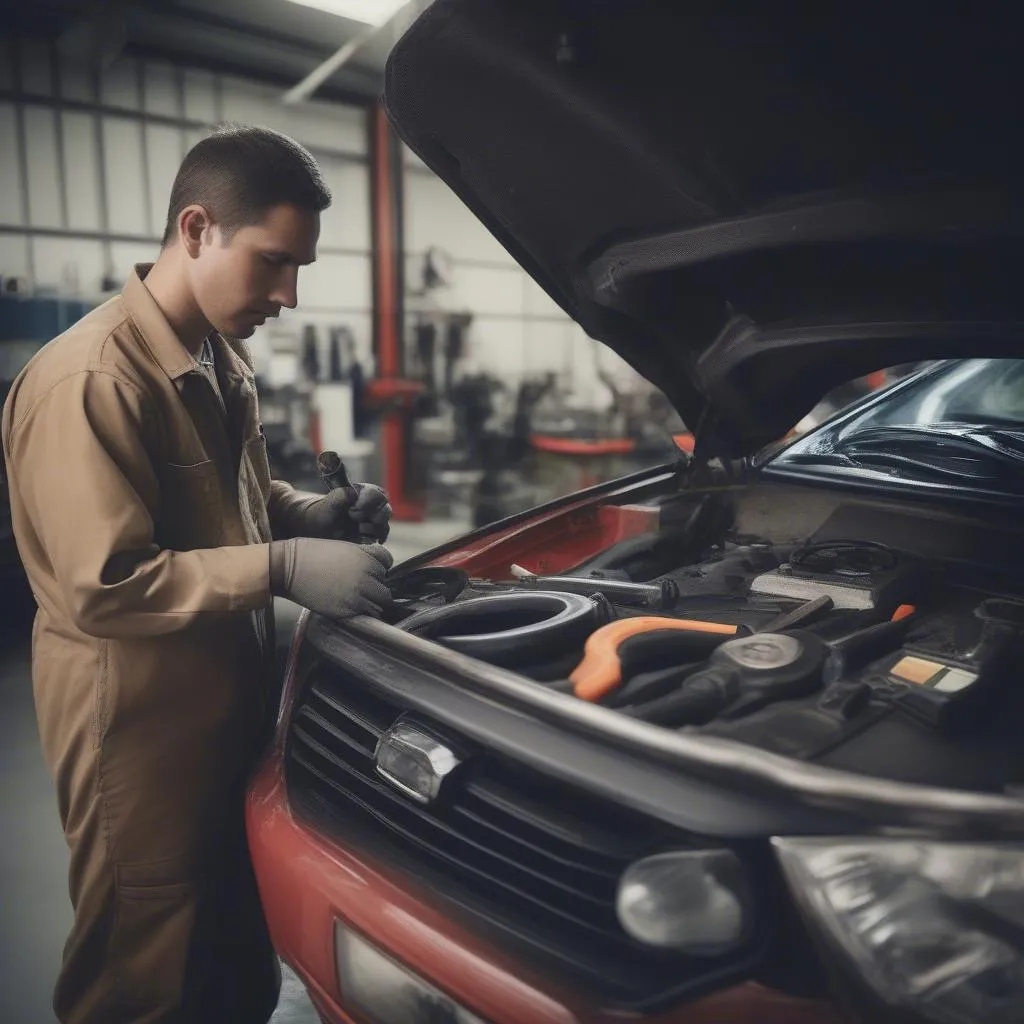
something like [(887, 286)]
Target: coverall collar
[(164, 345)]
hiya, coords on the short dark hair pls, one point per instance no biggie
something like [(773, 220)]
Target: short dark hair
[(239, 172)]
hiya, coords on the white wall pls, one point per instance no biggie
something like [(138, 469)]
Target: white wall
[(86, 165), (517, 329), (87, 161)]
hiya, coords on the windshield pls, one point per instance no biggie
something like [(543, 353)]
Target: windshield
[(955, 424), (986, 391)]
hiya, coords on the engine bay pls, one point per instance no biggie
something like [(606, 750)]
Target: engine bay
[(874, 637)]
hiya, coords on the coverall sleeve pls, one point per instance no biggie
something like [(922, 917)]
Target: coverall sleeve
[(285, 508), (85, 475)]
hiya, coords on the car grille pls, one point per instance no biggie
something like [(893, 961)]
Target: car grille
[(539, 860)]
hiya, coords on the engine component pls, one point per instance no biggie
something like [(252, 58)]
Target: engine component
[(1001, 621), (943, 691), (855, 651), (514, 628), (429, 581), (742, 676), (694, 704), (600, 671), (656, 663), (644, 595), (781, 584), (808, 612), (851, 559), (858, 575), (644, 687)]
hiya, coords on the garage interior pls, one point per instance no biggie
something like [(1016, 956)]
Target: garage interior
[(420, 350)]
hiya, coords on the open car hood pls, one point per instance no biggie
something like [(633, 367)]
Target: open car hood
[(750, 208)]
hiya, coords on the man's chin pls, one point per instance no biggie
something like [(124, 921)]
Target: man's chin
[(241, 330)]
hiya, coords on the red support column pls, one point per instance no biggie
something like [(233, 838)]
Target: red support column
[(388, 329)]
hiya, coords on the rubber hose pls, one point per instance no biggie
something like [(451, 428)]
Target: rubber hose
[(695, 704), (512, 629)]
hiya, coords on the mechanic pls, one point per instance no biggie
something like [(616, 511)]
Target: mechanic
[(154, 540)]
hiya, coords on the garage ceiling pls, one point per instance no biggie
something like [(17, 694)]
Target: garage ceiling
[(272, 40)]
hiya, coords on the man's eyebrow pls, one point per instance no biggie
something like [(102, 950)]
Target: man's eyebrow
[(281, 254)]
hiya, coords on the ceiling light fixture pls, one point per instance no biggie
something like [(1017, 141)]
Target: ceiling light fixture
[(368, 12)]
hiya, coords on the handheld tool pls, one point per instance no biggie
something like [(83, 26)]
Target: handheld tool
[(600, 671), (335, 477)]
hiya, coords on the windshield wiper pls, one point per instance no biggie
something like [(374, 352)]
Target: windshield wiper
[(952, 452)]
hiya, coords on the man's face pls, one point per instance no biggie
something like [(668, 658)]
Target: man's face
[(240, 284)]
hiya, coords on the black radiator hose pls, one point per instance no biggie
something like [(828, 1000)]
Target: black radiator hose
[(512, 629), (700, 699)]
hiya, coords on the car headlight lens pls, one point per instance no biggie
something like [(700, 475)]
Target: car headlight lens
[(933, 927), (690, 900)]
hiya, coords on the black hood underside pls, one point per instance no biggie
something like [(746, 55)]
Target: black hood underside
[(749, 207)]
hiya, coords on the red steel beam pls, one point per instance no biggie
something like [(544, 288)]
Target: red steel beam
[(386, 185)]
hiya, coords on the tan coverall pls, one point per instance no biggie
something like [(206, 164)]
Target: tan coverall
[(142, 509)]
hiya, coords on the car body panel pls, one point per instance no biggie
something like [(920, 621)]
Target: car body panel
[(308, 883), (312, 876), (746, 238)]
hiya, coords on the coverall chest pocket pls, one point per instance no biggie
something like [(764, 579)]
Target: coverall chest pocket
[(191, 507)]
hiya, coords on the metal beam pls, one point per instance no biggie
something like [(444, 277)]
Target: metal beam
[(329, 67), (133, 239), (147, 185), (359, 89), (103, 193), (58, 131), (204, 22), (21, 141), (339, 59), (101, 110)]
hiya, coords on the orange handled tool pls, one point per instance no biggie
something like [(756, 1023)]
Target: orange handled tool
[(600, 671)]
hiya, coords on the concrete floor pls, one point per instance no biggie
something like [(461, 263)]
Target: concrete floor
[(35, 914)]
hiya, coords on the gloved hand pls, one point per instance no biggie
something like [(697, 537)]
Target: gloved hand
[(337, 517), (330, 577)]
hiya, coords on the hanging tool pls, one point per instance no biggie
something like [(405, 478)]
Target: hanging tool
[(335, 477)]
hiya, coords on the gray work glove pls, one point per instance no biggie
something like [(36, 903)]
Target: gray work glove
[(330, 577), (338, 517)]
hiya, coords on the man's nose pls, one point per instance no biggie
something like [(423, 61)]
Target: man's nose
[(286, 289)]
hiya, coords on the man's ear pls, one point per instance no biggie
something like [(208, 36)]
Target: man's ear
[(194, 227)]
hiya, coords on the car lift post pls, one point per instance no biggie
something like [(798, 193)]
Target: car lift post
[(389, 391)]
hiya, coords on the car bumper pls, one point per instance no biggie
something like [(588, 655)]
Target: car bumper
[(309, 883)]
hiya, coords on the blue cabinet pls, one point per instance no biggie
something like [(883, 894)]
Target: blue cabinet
[(38, 319)]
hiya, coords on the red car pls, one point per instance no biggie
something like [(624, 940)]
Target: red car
[(737, 738)]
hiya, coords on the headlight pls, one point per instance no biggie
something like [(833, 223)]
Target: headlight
[(691, 900), (937, 928)]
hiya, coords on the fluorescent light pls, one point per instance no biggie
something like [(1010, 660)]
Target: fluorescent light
[(369, 12)]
